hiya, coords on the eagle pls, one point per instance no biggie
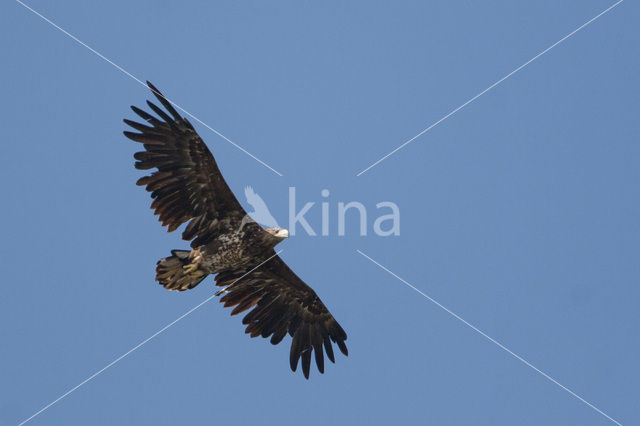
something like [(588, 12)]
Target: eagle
[(187, 186)]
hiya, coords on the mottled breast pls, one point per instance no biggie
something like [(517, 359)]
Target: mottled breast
[(227, 251)]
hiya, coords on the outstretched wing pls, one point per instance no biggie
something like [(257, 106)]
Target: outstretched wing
[(187, 184), (282, 303)]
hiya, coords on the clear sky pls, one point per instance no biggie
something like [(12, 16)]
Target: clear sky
[(519, 213)]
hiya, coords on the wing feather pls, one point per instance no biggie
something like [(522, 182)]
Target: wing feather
[(187, 185), (282, 303)]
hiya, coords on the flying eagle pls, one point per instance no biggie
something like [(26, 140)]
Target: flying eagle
[(188, 187)]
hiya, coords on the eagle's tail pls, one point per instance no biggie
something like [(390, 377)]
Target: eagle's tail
[(180, 271)]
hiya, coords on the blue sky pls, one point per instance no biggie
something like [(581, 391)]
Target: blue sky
[(519, 213)]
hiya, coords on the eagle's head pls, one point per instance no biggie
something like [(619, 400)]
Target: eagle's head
[(279, 233)]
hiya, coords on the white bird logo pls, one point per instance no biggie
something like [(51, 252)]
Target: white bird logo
[(260, 213)]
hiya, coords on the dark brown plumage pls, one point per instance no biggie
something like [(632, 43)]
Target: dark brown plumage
[(187, 186), (283, 304)]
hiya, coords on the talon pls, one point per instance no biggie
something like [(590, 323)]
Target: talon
[(190, 268)]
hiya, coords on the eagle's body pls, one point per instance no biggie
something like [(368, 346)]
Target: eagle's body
[(238, 248), (188, 187)]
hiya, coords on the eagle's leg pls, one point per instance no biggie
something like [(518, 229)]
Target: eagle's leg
[(190, 268), (195, 258)]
